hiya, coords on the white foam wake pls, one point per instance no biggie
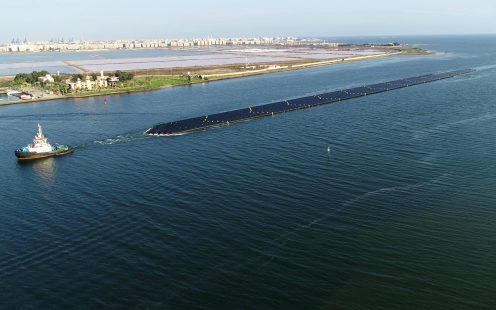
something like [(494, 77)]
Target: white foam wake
[(119, 139)]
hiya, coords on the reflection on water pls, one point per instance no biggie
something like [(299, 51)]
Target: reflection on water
[(5, 98), (44, 170)]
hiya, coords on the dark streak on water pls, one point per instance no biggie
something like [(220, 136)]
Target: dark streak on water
[(400, 214)]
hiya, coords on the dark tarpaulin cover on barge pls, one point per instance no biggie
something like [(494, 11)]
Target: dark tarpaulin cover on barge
[(229, 117)]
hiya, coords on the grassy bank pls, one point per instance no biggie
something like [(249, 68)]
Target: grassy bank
[(140, 83), (158, 81), (137, 84)]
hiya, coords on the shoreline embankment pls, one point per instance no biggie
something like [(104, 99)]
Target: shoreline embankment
[(213, 77)]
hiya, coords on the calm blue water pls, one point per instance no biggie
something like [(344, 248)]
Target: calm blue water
[(400, 213)]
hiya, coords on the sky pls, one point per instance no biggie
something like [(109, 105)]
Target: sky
[(157, 19)]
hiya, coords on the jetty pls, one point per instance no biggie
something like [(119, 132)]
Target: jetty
[(230, 117)]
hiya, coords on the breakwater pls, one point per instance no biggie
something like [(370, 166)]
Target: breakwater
[(270, 109)]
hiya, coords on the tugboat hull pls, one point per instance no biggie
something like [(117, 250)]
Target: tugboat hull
[(31, 155)]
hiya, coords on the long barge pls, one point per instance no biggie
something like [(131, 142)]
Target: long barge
[(230, 117)]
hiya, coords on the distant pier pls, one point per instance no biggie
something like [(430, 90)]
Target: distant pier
[(230, 117)]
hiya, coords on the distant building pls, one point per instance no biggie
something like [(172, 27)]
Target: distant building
[(46, 79), (88, 84), (71, 45), (112, 81)]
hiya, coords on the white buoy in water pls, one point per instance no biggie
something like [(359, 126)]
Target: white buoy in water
[(328, 149)]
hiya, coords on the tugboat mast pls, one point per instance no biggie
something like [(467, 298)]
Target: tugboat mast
[(40, 132)]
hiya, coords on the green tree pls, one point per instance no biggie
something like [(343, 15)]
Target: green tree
[(30, 78), (62, 88), (20, 78), (77, 76), (124, 76)]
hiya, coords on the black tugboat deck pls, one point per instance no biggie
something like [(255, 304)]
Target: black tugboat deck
[(230, 117)]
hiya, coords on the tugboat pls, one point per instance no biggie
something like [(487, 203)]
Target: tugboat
[(41, 148)]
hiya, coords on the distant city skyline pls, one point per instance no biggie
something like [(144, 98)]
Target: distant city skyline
[(147, 19)]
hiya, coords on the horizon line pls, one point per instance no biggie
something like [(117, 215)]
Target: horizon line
[(275, 36)]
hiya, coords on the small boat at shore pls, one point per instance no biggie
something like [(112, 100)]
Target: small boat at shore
[(26, 97), (13, 92), (41, 148)]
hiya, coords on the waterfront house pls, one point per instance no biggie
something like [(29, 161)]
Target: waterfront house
[(101, 81), (46, 79), (112, 81)]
